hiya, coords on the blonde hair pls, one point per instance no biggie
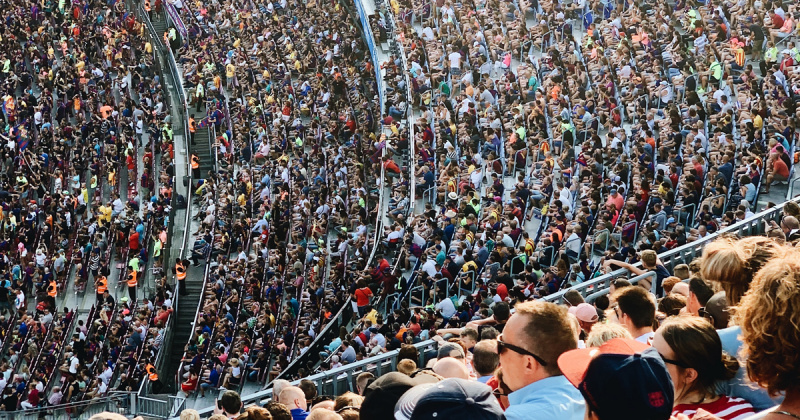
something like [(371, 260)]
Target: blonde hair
[(190, 414), (604, 332), (731, 264), (770, 333), (406, 367)]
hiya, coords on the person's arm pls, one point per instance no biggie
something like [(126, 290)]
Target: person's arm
[(486, 321), (635, 270)]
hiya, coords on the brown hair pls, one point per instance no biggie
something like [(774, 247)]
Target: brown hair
[(548, 330), (669, 283), (733, 263), (256, 413), (768, 317), (637, 304), (348, 405), (671, 305), (696, 345)]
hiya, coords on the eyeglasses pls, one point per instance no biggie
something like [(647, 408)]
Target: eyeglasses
[(502, 346), (616, 312), (674, 362)]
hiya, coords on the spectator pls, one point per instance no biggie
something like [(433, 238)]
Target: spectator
[(485, 360), (531, 370), (693, 353), (294, 399), (636, 311)]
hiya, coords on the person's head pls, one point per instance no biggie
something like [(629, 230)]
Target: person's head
[(309, 389), (573, 297), (717, 311), (250, 413), (469, 336), (452, 398), (699, 293), (409, 352), (635, 310), (671, 304), (692, 350), (641, 384), (323, 414), (449, 367), (681, 288), (230, 402), (604, 332), (767, 315), (278, 411), (451, 350), (649, 259), (190, 414), (501, 312), (363, 380), (669, 283), (485, 358), (406, 367), (277, 386), (293, 397), (348, 405), (732, 264), (533, 339), (587, 316)]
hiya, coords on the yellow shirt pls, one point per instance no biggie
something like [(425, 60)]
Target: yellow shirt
[(230, 70), (148, 47)]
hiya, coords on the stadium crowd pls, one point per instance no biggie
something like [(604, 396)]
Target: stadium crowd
[(284, 219), (542, 155), (87, 140), (715, 344)]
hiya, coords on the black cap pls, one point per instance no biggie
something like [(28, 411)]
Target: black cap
[(452, 398), (381, 396)]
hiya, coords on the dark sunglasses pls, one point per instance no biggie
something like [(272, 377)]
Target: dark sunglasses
[(502, 346), (674, 362)]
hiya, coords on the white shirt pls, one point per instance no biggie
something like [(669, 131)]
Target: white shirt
[(447, 308), (430, 267), (646, 338), (455, 60)]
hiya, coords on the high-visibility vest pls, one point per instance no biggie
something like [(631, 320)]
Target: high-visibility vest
[(52, 290), (102, 285), (195, 162), (180, 271), (192, 125), (132, 279), (147, 5), (151, 372)]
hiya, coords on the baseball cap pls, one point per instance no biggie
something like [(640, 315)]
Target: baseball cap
[(622, 379), (671, 220), (381, 396), (586, 313), (449, 399)]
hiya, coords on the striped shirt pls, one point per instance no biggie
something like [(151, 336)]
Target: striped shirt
[(725, 408)]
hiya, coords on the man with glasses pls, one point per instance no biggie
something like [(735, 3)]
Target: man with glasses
[(534, 337), (699, 294)]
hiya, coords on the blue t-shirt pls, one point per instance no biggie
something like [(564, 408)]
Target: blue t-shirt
[(740, 386)]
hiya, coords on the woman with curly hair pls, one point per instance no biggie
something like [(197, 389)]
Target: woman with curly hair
[(769, 315), (731, 264), (692, 351)]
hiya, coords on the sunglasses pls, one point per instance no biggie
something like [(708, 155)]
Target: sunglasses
[(502, 346), (674, 362)]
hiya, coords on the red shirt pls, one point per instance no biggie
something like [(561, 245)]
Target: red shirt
[(725, 408), (362, 296), (133, 241), (780, 168)]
